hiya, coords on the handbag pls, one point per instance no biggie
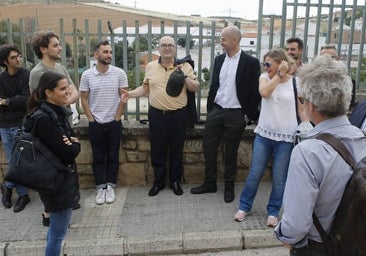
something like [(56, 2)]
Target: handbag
[(33, 165)]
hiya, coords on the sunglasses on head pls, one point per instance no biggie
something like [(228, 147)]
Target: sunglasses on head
[(267, 64)]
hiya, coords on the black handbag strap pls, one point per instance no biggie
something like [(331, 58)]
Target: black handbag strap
[(346, 155), (295, 93)]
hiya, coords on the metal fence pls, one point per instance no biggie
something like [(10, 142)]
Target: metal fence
[(271, 31)]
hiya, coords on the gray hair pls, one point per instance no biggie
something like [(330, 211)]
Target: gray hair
[(326, 84)]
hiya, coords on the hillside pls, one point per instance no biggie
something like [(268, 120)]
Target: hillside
[(49, 15)]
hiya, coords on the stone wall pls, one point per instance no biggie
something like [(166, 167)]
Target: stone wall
[(135, 165)]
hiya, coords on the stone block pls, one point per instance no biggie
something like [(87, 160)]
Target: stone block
[(193, 146), (193, 174), (260, 238), (136, 156), (132, 174), (94, 247), (155, 245), (129, 144), (26, 248), (143, 144), (85, 155), (212, 241)]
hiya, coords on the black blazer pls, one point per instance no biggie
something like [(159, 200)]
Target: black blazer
[(358, 114), (247, 83)]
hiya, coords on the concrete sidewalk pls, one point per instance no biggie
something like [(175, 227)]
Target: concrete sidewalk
[(137, 224)]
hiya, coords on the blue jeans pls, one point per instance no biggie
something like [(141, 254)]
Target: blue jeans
[(7, 138), (59, 222), (263, 150), (105, 142)]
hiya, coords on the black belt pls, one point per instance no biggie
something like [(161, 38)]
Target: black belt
[(167, 111), (220, 107)]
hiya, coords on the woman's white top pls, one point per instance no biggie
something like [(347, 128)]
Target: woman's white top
[(277, 119)]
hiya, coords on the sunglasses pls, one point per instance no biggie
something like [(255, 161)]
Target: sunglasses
[(267, 64)]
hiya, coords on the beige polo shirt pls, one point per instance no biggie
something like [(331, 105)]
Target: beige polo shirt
[(156, 77)]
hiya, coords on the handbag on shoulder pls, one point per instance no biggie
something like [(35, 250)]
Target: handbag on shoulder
[(33, 165)]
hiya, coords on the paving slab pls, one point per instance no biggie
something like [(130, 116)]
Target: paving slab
[(136, 224)]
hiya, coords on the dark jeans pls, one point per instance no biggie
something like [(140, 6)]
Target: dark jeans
[(167, 133), (105, 142), (227, 125), (312, 249)]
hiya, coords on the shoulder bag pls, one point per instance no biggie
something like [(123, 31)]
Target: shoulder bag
[(33, 165)]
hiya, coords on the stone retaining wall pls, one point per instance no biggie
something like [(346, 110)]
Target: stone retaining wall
[(135, 165)]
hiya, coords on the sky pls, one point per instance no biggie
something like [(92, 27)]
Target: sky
[(247, 9)]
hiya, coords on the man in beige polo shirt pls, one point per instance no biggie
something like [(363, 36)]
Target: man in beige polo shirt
[(167, 112)]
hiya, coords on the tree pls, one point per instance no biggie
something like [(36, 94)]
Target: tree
[(68, 50), (183, 41)]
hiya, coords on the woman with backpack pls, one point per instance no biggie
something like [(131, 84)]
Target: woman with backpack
[(50, 118)]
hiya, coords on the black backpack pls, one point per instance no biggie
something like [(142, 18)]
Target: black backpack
[(347, 236)]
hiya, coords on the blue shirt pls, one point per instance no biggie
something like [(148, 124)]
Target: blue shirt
[(316, 180)]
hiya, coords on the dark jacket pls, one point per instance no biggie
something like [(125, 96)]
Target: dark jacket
[(247, 84), (16, 90), (51, 123), (358, 114)]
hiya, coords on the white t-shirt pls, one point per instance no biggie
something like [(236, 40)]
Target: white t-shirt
[(277, 119)]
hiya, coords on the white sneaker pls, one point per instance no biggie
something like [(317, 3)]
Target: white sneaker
[(110, 195), (240, 215), (272, 221), (100, 198)]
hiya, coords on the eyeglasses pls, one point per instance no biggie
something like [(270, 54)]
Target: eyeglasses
[(267, 64), (301, 99), (169, 46)]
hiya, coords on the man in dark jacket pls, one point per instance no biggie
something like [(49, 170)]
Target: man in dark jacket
[(233, 95), (14, 92), (358, 115)]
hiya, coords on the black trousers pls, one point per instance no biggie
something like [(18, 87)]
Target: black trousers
[(227, 126), (167, 136)]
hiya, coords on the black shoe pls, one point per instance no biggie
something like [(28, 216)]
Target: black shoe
[(154, 191), (45, 221), (76, 206), (205, 188), (229, 195), (21, 203), (177, 189), (6, 198)]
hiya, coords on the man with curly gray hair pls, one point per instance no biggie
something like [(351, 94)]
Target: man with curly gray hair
[(317, 174)]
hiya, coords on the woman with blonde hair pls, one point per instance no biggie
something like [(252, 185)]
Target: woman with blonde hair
[(274, 133)]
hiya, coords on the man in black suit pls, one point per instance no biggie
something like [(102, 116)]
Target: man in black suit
[(358, 115), (233, 94)]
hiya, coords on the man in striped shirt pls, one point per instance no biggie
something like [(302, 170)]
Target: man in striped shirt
[(100, 89)]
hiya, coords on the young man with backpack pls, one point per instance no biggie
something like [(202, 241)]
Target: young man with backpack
[(318, 175)]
